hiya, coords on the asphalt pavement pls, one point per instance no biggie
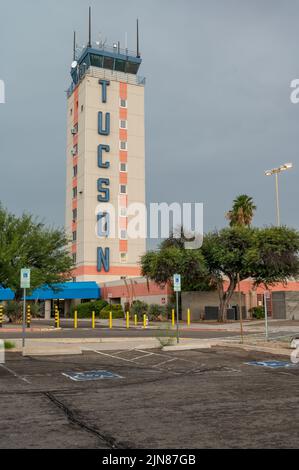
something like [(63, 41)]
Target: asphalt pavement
[(194, 399)]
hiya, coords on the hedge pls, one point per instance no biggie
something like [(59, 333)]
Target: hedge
[(116, 309), (85, 309), (257, 312)]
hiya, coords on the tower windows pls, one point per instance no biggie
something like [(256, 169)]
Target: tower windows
[(74, 150), (123, 257), (123, 124), (75, 171), (123, 167), (123, 145), (123, 212), (123, 234), (123, 189), (74, 236), (75, 213), (122, 103), (75, 192)]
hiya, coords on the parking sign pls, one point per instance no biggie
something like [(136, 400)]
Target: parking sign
[(25, 278), (177, 283)]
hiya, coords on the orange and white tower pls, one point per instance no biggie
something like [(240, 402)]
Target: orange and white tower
[(105, 160)]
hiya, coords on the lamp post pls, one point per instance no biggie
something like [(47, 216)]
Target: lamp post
[(276, 171)]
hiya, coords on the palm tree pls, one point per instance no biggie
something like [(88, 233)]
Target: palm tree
[(242, 211)]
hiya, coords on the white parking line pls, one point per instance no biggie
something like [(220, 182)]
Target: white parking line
[(15, 374), (144, 355), (154, 367), (113, 356), (164, 362)]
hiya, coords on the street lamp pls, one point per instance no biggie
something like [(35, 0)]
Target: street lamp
[(276, 171)]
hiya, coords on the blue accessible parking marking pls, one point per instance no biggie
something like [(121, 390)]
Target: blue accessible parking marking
[(91, 375), (271, 364)]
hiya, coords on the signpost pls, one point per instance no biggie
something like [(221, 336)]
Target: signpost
[(266, 296), (25, 284), (177, 289)]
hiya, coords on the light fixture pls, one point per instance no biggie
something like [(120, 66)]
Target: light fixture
[(276, 171)]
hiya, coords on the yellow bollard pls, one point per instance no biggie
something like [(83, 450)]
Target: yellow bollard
[(93, 320), (144, 321), (110, 320), (57, 323), (135, 320), (1, 315), (188, 317), (75, 319), (172, 317), (28, 318), (127, 320)]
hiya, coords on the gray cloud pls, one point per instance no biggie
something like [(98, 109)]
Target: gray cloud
[(218, 111)]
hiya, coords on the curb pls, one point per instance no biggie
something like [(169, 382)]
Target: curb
[(248, 347)]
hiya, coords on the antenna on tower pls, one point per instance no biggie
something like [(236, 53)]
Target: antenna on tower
[(137, 24), (89, 29), (74, 46)]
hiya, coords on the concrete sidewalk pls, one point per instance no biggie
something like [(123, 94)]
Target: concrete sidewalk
[(68, 346)]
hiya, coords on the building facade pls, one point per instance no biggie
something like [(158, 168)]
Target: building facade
[(105, 162)]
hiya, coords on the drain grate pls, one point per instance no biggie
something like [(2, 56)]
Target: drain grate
[(91, 375)]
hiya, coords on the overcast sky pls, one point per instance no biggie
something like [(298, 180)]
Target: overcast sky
[(218, 109)]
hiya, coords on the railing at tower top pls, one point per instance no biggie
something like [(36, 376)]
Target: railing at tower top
[(101, 46), (98, 72)]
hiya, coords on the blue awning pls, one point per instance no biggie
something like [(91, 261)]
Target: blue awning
[(6, 294), (67, 290)]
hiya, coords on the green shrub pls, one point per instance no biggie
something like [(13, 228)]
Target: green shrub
[(257, 312), (138, 308), (116, 309), (85, 309), (9, 345), (13, 311), (35, 310), (168, 309), (156, 312)]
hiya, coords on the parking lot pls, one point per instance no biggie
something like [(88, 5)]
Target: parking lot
[(193, 399)]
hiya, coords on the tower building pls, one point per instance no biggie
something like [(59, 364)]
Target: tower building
[(105, 161)]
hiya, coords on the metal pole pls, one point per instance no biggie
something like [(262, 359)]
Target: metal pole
[(266, 316), (177, 317), (24, 318), (277, 200), (240, 308)]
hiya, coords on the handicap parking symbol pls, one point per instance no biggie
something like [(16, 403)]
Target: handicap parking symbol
[(271, 364), (91, 375)]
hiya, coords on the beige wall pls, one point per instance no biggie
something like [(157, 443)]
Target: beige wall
[(90, 94), (197, 301)]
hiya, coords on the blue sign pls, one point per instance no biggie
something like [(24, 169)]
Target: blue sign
[(177, 282), (103, 184), (25, 279), (91, 375), (271, 364)]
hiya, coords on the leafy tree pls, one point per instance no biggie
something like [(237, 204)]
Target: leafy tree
[(27, 243), (266, 255), (161, 265), (242, 211)]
